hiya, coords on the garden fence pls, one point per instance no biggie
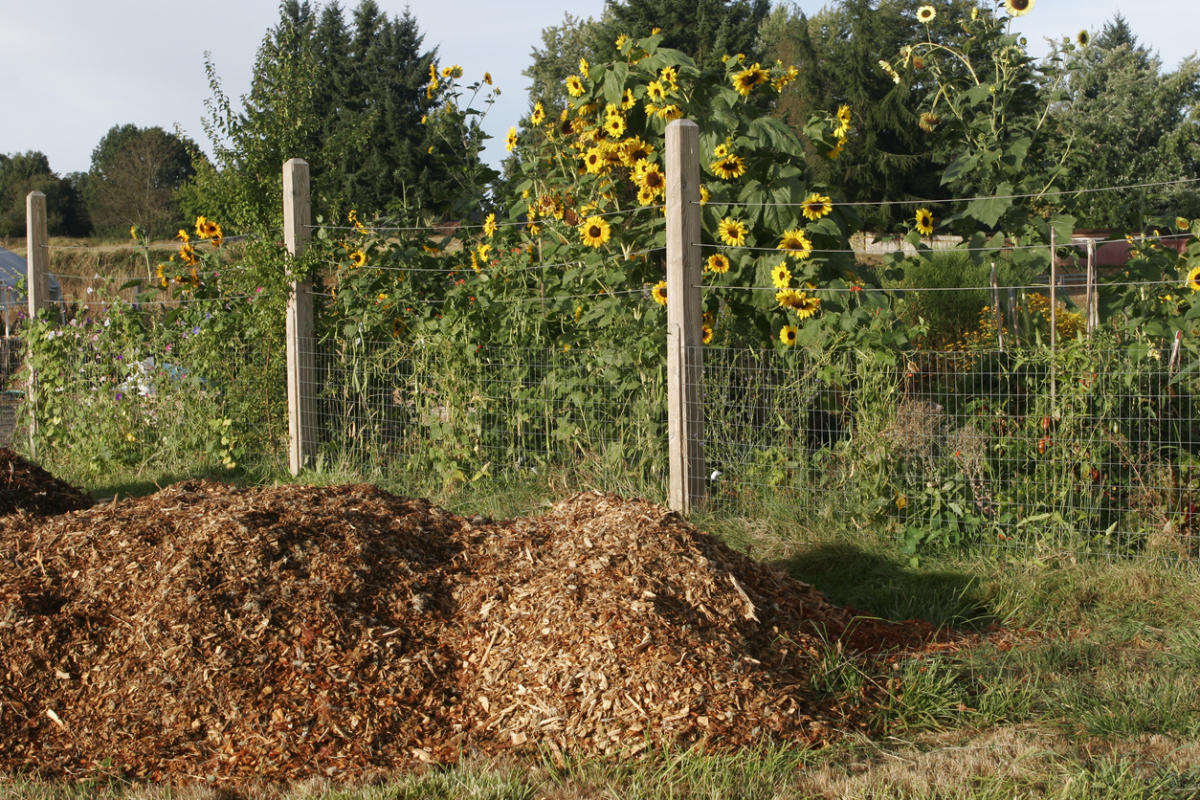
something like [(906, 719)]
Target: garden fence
[(1075, 445)]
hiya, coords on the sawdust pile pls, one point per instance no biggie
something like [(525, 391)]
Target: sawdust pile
[(211, 631)]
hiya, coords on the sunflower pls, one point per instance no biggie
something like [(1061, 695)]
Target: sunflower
[(732, 232), (656, 91), (1182, 223), (837, 148), (183, 236), (924, 220), (729, 167), (718, 263), (809, 305), (926, 14), (645, 197), (634, 150), (584, 68), (595, 231), (659, 292), (788, 298), (489, 225), (187, 254), (721, 150), (1082, 38), (628, 101), (787, 335), (928, 121), (574, 86), (593, 160), (358, 258), (752, 76), (1193, 278), (205, 227), (510, 141), (217, 236), (1018, 8), (669, 77), (816, 205), (795, 242), (705, 194), (621, 41), (651, 178), (670, 112), (614, 126), (538, 115), (706, 334), (781, 276), (843, 118), (890, 70)]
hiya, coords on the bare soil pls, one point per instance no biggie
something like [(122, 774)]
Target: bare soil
[(212, 632)]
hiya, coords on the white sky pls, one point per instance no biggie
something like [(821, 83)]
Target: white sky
[(71, 69)]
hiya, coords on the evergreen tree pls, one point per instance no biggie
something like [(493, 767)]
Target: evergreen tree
[(350, 100), (706, 30)]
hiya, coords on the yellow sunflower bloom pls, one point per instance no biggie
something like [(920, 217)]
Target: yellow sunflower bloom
[(732, 232), (926, 14), (795, 242), (574, 86), (843, 118), (746, 80), (621, 41), (718, 263), (358, 258), (1018, 8), (1193, 278), (183, 236), (595, 231), (489, 225), (1183, 223), (651, 178), (510, 141), (729, 167), (789, 298), (787, 334), (614, 126), (781, 276), (659, 292), (705, 195), (656, 91), (706, 334), (538, 115), (924, 221), (628, 101), (816, 205), (809, 305)]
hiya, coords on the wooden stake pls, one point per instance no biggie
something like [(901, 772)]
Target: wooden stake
[(302, 410), (685, 411), (37, 259)]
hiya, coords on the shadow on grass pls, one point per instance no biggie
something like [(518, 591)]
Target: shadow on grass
[(883, 587), (124, 486)]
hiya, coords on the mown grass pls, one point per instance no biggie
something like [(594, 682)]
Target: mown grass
[(1083, 681)]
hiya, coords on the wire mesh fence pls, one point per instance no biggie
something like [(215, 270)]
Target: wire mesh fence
[(1087, 450), (458, 411)]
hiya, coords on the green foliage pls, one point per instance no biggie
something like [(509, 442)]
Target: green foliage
[(353, 102), (1128, 123), (22, 173), (135, 177), (705, 31)]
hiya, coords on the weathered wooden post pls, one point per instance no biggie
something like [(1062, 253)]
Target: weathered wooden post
[(996, 314), (1093, 296), (685, 410), (302, 411), (37, 261)]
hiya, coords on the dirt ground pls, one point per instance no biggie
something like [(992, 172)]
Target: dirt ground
[(213, 632)]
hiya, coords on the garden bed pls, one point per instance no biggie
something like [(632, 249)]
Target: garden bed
[(226, 633)]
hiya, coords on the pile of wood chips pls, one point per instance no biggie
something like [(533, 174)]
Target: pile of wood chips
[(212, 632)]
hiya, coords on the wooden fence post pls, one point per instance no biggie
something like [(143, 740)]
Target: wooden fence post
[(685, 411), (37, 287), (302, 411)]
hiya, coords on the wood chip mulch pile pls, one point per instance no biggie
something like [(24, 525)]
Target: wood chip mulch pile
[(212, 632), (25, 486)]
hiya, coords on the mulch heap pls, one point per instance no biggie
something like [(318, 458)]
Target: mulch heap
[(25, 486), (229, 633)]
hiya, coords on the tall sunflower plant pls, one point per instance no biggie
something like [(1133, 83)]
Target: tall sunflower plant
[(588, 191), (985, 107)]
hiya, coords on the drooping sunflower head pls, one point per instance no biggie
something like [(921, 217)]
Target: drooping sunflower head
[(706, 334), (659, 292), (1018, 8), (928, 121), (796, 243), (926, 14), (924, 221), (816, 205), (718, 263), (1193, 278), (787, 335), (595, 231), (732, 232)]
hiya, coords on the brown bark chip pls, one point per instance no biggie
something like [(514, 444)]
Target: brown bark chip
[(209, 631)]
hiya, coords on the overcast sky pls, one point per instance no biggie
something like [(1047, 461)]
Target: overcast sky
[(70, 69)]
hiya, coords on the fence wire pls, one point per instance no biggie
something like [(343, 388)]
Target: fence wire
[(458, 412), (1087, 451)]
